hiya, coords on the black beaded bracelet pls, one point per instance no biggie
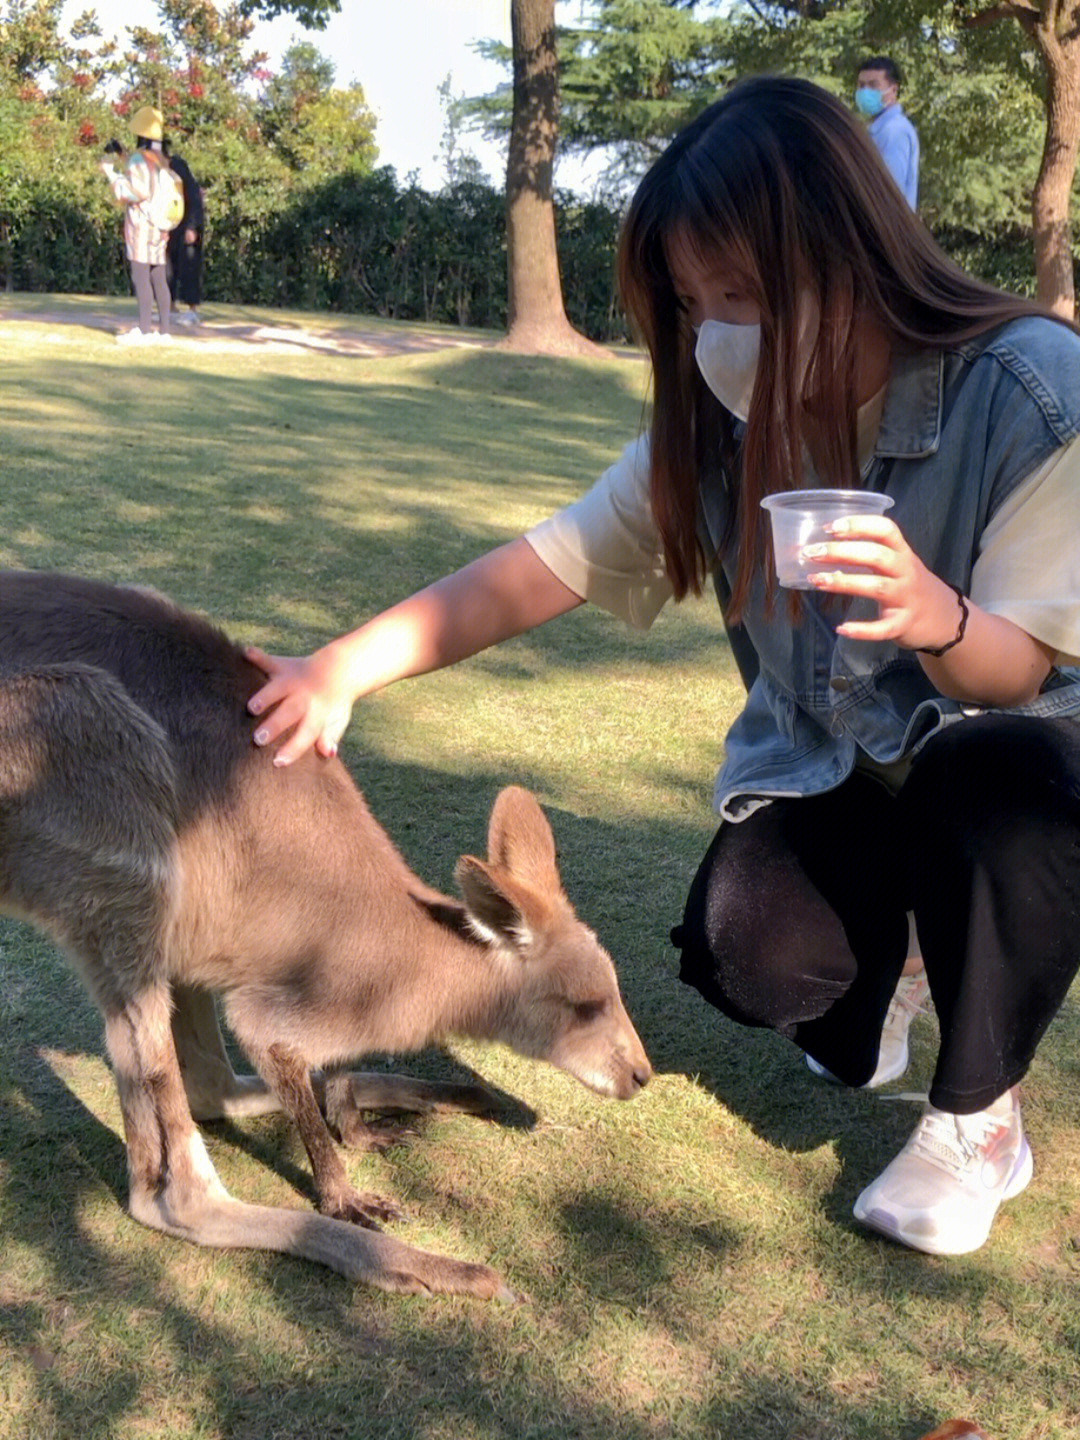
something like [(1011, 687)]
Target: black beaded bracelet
[(940, 649)]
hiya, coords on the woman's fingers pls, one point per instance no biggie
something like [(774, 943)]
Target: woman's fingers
[(308, 734), (265, 662), (293, 710), (289, 683), (871, 584), (853, 552), (871, 630), (279, 669), (866, 527), (298, 697), (910, 599), (320, 728)]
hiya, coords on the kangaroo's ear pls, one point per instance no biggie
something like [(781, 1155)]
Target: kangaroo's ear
[(520, 840), (495, 905)]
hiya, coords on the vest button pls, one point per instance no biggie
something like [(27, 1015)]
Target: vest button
[(840, 684)]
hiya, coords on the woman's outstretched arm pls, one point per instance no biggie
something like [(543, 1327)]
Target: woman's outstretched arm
[(503, 593)]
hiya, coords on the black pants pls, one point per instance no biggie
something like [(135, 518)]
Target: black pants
[(796, 919), (184, 263)]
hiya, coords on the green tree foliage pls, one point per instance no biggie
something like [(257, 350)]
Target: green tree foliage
[(316, 130), (635, 71), (52, 116), (311, 14), (304, 77), (972, 95), (993, 88), (62, 97), (366, 244), (640, 70)]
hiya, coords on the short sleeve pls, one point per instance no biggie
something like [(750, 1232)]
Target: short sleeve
[(605, 547), (139, 176), (1028, 566), (131, 185)]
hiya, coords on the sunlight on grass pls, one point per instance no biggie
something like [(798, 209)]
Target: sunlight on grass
[(689, 1260)]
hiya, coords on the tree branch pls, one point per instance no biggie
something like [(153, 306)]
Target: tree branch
[(1023, 12)]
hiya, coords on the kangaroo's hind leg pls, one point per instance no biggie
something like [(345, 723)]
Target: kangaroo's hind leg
[(173, 1183), (88, 853)]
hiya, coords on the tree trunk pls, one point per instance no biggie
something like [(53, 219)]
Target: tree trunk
[(537, 323), (1059, 45), (1054, 25)]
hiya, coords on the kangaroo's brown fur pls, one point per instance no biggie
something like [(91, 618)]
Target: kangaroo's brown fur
[(144, 832)]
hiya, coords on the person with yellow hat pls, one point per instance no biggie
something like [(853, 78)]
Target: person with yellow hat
[(144, 243)]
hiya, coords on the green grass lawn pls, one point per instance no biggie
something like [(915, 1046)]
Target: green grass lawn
[(690, 1261)]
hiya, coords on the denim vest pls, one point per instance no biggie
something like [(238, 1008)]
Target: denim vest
[(960, 429)]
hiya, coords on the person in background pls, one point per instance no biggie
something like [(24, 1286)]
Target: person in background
[(877, 96), (185, 248), (910, 741), (144, 244)]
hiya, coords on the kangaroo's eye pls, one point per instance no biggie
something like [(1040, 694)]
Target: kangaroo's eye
[(586, 1010)]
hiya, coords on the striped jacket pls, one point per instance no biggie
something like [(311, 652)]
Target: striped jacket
[(132, 186)]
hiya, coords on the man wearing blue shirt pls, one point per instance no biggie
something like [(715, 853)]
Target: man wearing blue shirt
[(877, 97)]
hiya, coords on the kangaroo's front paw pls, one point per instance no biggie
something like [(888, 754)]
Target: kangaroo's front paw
[(359, 1207)]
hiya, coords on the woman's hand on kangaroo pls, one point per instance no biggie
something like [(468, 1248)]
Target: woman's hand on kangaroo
[(915, 607), (309, 695)]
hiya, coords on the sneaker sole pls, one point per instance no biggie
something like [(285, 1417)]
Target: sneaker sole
[(886, 1223)]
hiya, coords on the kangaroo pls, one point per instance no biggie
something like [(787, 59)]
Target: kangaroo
[(144, 832)]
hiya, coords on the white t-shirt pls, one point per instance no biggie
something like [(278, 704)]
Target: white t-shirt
[(605, 547)]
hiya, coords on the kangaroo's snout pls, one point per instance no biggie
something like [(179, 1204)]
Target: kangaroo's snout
[(604, 1052)]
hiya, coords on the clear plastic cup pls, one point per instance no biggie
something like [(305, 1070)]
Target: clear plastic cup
[(799, 518)]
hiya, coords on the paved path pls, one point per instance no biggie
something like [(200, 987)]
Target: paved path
[(287, 337)]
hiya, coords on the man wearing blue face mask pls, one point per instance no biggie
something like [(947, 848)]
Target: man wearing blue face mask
[(877, 97)]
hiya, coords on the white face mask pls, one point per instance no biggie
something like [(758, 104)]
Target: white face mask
[(727, 356)]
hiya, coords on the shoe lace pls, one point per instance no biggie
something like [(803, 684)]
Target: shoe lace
[(953, 1143), (912, 995), (911, 998)]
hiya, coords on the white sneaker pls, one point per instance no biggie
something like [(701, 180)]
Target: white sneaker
[(137, 337), (187, 317), (911, 998), (941, 1193)]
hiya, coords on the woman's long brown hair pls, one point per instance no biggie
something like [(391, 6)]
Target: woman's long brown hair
[(778, 182)]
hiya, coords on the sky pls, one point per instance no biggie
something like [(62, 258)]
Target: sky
[(400, 52)]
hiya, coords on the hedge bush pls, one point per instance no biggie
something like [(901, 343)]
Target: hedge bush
[(362, 244)]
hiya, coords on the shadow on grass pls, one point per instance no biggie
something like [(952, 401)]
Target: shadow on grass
[(295, 505), (368, 1367), (461, 1369), (287, 483)]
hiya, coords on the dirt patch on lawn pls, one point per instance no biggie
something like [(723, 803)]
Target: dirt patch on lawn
[(287, 336)]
